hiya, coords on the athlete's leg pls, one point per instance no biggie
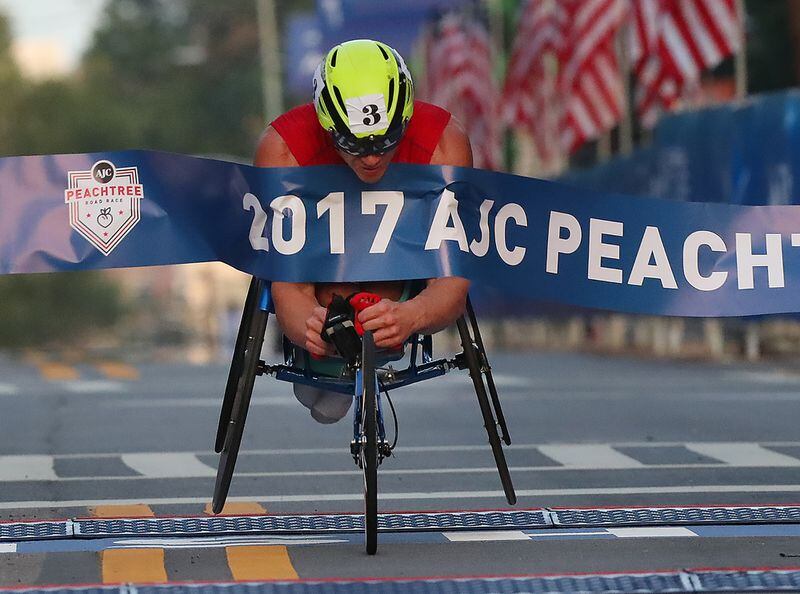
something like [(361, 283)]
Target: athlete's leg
[(325, 406)]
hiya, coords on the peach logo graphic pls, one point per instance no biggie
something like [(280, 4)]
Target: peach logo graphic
[(104, 203)]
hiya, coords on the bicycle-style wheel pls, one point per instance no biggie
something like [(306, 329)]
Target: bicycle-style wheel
[(471, 355), (237, 363), (369, 444), (239, 408), (487, 373)]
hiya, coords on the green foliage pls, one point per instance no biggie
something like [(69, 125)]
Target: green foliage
[(54, 309), (186, 72), (176, 75)]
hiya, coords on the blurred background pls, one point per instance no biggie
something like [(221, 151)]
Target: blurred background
[(682, 99)]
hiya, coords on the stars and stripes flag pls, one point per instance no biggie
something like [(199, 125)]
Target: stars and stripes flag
[(459, 77), (590, 77), (563, 83), (530, 94), (672, 42)]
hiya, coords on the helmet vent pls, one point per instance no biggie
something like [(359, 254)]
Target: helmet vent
[(339, 98), (391, 94), (383, 51), (333, 58)]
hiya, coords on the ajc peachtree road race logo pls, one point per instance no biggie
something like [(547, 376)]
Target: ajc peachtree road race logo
[(104, 203)]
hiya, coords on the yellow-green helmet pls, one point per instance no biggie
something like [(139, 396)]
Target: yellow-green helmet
[(364, 96)]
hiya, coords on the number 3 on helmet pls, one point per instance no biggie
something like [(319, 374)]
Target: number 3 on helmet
[(364, 96)]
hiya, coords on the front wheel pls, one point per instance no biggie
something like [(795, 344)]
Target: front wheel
[(237, 361), (369, 442), (232, 434)]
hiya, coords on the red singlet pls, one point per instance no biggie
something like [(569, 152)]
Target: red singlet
[(310, 144)]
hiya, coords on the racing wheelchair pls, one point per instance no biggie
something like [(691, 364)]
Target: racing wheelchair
[(365, 379)]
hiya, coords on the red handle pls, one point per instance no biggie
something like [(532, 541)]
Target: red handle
[(359, 302)]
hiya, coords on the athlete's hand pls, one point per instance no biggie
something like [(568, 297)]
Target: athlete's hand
[(391, 322), (314, 343)]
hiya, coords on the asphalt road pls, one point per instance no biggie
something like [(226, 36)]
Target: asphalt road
[(114, 439)]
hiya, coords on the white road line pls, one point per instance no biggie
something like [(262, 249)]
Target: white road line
[(650, 532), (139, 403), (203, 472), (220, 541), (175, 465), (561, 532), (27, 468), (8, 547), (417, 496), (743, 454), (403, 449), (501, 380), (764, 377), (8, 390), (92, 386), (589, 456), (480, 535)]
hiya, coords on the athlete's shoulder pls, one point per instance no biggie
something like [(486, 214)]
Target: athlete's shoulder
[(272, 151), (454, 147), (285, 142)]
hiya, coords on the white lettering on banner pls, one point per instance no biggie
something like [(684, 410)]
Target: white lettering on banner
[(746, 260), (691, 258), (257, 239), (652, 247), (652, 260), (556, 244), (394, 206), (481, 247), (334, 204), (446, 211), (297, 220), (509, 211), (598, 251)]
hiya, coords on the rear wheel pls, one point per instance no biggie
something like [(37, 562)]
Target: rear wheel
[(472, 358), (240, 405), (369, 451)]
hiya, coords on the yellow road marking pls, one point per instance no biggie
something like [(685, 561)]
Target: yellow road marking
[(260, 563), (133, 566), (57, 371), (130, 565), (239, 508), (117, 370), (137, 510)]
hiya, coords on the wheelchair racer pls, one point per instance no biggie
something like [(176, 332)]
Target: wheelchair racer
[(363, 115)]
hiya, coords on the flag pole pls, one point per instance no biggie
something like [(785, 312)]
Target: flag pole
[(740, 59), (624, 57), (271, 86)]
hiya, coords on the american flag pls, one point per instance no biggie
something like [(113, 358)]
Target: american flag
[(585, 97), (530, 95), (673, 42), (590, 80), (460, 78)]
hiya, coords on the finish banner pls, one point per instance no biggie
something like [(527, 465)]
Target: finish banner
[(528, 238)]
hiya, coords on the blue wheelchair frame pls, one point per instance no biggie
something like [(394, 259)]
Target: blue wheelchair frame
[(246, 365)]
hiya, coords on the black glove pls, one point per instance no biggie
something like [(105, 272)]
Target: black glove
[(339, 329)]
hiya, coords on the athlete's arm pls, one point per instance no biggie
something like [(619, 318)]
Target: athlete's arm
[(454, 147), (444, 299), (299, 314)]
